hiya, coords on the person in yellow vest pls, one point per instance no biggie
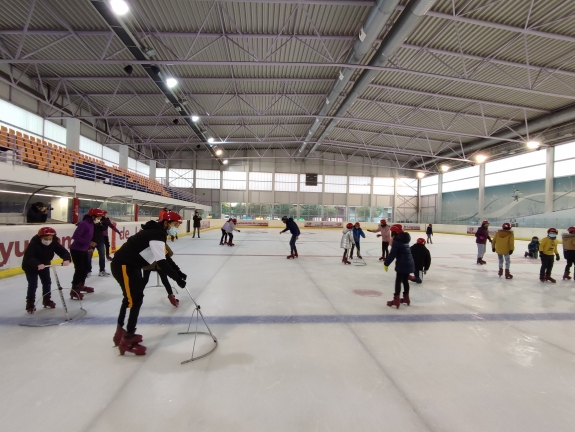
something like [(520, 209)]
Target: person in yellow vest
[(504, 243), (547, 249), (568, 250)]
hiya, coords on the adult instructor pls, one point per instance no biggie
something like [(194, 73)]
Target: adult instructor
[(197, 223)]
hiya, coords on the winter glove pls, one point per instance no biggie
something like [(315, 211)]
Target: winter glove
[(510, 252), (493, 249), (66, 263), (385, 267), (239, 231), (183, 275), (92, 244), (557, 257), (379, 235), (41, 266), (181, 283)]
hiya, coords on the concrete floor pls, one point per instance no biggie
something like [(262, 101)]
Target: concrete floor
[(304, 345)]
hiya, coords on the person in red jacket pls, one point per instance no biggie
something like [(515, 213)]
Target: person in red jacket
[(481, 237), (37, 258)]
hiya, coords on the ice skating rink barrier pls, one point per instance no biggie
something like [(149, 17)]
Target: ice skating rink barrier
[(14, 238)]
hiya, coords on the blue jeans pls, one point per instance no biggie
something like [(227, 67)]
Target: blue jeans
[(292, 243), (32, 278), (101, 248)]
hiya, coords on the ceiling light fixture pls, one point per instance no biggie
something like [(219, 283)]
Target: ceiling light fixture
[(119, 7), (420, 175), (533, 145), (480, 158), (219, 152), (210, 140), (226, 162), (195, 118), (445, 168), (171, 82)]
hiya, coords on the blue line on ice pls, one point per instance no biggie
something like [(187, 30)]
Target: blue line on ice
[(325, 319)]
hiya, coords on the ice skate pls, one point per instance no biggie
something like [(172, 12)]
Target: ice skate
[(508, 275), (75, 294), (500, 272), (129, 344), (351, 257), (108, 257), (30, 308), (381, 258), (103, 273), (221, 243), (526, 254), (120, 332), (290, 256), (84, 288), (411, 278), (47, 303), (89, 274), (566, 276), (479, 261), (482, 262), (345, 261), (395, 302), (359, 256), (550, 279), (175, 302), (295, 254), (405, 299), (542, 279)]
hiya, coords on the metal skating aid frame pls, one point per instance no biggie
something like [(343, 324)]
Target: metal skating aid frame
[(67, 316), (197, 311), (159, 285), (359, 262)]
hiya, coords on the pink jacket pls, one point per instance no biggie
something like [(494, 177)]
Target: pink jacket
[(385, 233)]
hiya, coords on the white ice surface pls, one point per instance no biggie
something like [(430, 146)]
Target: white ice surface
[(473, 353)]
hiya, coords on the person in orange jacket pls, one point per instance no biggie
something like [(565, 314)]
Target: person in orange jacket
[(504, 244), (547, 249)]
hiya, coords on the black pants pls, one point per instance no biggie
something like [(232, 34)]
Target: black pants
[(101, 248), (418, 274), (132, 284), (230, 238), (429, 239), (356, 245), (80, 260), (194, 234), (384, 249), (32, 278), (546, 265), (107, 243), (292, 243), (163, 278), (224, 236), (402, 278), (570, 257)]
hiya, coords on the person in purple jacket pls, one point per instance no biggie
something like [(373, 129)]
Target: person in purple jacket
[(481, 237), (80, 250)]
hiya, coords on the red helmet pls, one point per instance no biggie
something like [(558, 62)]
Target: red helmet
[(485, 222), (46, 231), (420, 241), (396, 228), (357, 224), (97, 212), (235, 221), (506, 226), (552, 230), (430, 224), (383, 222), (349, 225), (170, 216), (571, 230)]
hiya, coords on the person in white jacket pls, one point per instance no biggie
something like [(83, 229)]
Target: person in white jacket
[(230, 227), (347, 241)]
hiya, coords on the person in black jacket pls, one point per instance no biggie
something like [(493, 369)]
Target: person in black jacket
[(99, 243), (403, 266), (38, 213), (429, 232), (142, 249), (38, 255), (197, 223), (107, 223), (421, 260), (295, 232), (163, 275)]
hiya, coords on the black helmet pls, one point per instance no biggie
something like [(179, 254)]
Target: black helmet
[(284, 218)]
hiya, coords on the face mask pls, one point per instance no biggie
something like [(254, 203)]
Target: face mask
[(46, 242), (552, 236), (97, 220), (172, 231)]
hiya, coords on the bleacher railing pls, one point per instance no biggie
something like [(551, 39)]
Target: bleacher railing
[(21, 149)]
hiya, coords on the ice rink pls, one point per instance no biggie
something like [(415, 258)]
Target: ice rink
[(304, 345)]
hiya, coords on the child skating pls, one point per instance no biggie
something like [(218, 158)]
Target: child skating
[(357, 235), (384, 233), (421, 260), (533, 248), (568, 250), (404, 265), (292, 227), (504, 244), (224, 238), (346, 242), (229, 227), (481, 237), (37, 257), (547, 249)]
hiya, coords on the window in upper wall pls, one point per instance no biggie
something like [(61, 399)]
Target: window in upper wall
[(429, 181), (359, 185), (286, 182), (465, 184), (182, 178), (461, 174), (234, 180), (383, 186), (564, 168), (430, 185), (262, 181), (304, 188), (516, 176), (161, 175), (407, 186), (207, 179), (335, 184), (565, 151), (515, 162)]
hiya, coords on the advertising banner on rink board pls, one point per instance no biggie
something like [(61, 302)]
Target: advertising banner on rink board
[(256, 223), (411, 227), (15, 239), (473, 230), (320, 224), (204, 224)]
